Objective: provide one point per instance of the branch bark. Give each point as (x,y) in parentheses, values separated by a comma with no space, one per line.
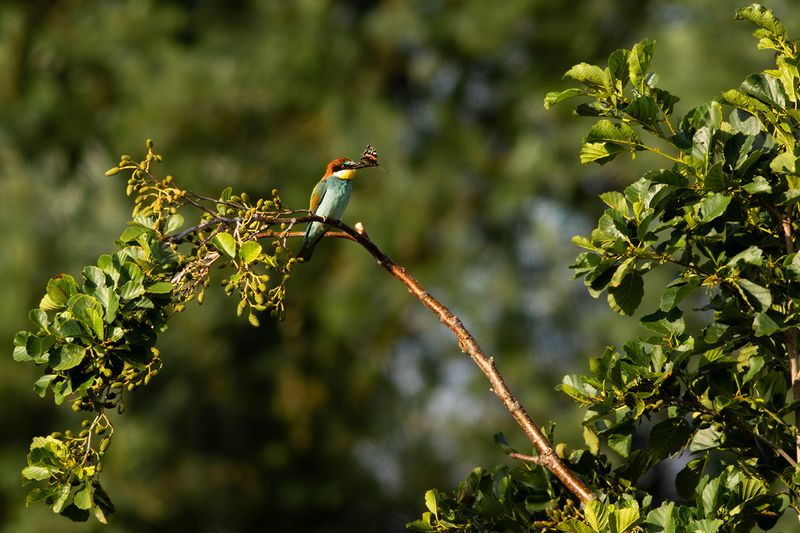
(547,456)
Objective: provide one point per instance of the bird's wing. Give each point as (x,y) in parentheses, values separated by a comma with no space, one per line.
(317,194)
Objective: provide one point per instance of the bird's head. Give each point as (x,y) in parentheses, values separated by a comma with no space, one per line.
(343,168)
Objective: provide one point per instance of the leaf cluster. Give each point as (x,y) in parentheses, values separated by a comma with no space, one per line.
(711,381)
(96,339)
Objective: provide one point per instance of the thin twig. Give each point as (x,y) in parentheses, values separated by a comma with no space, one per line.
(527,458)
(547,456)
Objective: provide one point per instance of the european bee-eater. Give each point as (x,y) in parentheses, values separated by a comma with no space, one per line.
(331,195)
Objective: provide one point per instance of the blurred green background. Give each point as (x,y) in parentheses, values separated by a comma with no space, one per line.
(340,417)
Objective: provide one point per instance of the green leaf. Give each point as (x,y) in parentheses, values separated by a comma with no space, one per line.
(249,251)
(747,103)
(668,177)
(710,495)
(606,131)
(644,109)
(751,256)
(94,277)
(602,153)
(131,289)
(705,525)
(159,287)
(36,347)
(59,290)
(69,356)
(592,440)
(132,232)
(62,496)
(554,97)
(705,439)
(132,272)
(669,436)
(767,323)
(766,88)
(616,201)
(579,387)
(61,389)
(70,328)
(663,519)
(225,243)
(626,297)
(665,101)
(625,518)
(755,364)
(792,266)
(714,180)
(431,502)
(621,440)
(639,62)
(618,67)
(38,473)
(759,185)
(41,385)
(110,301)
(606,139)
(573,525)
(83,498)
(676,292)
(584,242)
(783,163)
(102,503)
(590,75)
(421,524)
(763,18)
(756,295)
(713,206)
(596,513)
(792,195)
(89,311)
(173,223)
(687,479)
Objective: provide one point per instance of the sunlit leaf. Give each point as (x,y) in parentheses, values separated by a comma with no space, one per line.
(713,206)
(589,74)
(639,62)
(249,251)
(555,97)
(59,289)
(763,18)
(225,243)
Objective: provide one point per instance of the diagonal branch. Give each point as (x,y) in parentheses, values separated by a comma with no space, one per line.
(547,456)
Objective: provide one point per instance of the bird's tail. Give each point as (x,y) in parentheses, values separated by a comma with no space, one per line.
(304,252)
(309,242)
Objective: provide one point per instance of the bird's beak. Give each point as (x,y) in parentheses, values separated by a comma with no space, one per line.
(354,165)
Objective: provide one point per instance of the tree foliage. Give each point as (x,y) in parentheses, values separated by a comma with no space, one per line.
(96,339)
(715,391)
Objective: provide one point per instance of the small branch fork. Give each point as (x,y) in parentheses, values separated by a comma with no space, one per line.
(547,456)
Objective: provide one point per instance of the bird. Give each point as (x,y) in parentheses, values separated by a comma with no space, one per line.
(331,195)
